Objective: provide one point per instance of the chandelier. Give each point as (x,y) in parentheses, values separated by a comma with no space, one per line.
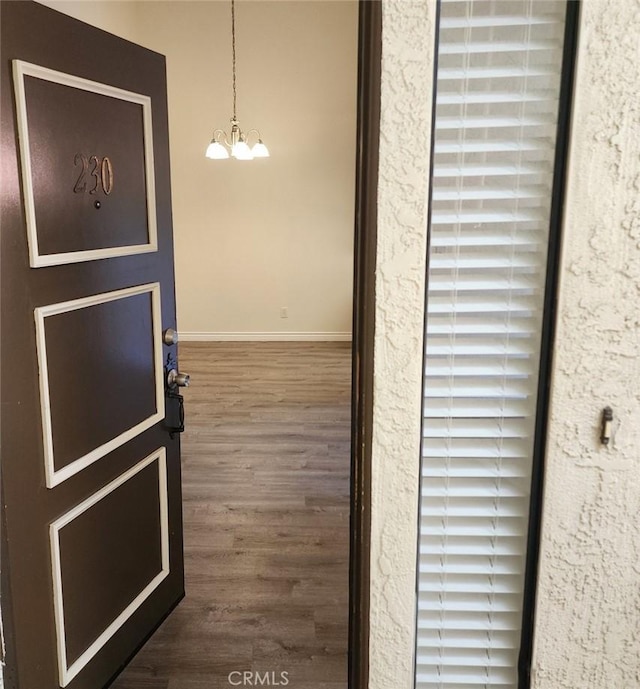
(237,142)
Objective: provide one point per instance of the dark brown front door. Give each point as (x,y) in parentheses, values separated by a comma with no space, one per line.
(92,532)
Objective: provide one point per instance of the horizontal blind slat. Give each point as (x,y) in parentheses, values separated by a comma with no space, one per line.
(492,145)
(463,48)
(488,98)
(492,21)
(475,217)
(469,122)
(504,169)
(484,193)
(466,73)
(457,642)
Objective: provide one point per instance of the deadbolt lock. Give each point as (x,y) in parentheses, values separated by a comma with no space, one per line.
(170,336)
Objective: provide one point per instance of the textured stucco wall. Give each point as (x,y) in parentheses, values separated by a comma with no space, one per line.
(408,44)
(588,618)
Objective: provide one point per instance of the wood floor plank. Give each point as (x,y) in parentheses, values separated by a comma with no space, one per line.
(266,516)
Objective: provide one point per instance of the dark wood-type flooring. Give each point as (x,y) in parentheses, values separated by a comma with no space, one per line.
(266,519)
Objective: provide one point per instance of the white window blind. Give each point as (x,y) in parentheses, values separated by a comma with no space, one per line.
(499,65)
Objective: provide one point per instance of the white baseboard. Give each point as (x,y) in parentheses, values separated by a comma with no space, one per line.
(265,337)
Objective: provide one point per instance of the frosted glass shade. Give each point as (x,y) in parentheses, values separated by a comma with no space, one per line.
(260,150)
(241,151)
(216,151)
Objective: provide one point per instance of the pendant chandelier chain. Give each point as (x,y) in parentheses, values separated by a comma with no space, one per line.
(233,53)
(237,141)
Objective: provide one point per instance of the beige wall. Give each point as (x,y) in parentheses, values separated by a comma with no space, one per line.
(115,16)
(253,237)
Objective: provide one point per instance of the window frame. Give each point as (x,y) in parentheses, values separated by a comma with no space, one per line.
(549,316)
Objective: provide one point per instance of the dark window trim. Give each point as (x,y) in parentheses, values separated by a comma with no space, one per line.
(548,339)
(368,135)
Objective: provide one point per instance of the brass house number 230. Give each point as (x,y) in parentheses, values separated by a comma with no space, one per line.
(95,173)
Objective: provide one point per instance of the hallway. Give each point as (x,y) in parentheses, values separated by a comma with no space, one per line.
(265,459)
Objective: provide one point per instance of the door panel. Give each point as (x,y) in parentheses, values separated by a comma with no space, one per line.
(117,577)
(112,343)
(102,543)
(96,140)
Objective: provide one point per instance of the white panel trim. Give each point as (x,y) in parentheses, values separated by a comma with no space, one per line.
(66,672)
(37,260)
(53,476)
(265,336)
